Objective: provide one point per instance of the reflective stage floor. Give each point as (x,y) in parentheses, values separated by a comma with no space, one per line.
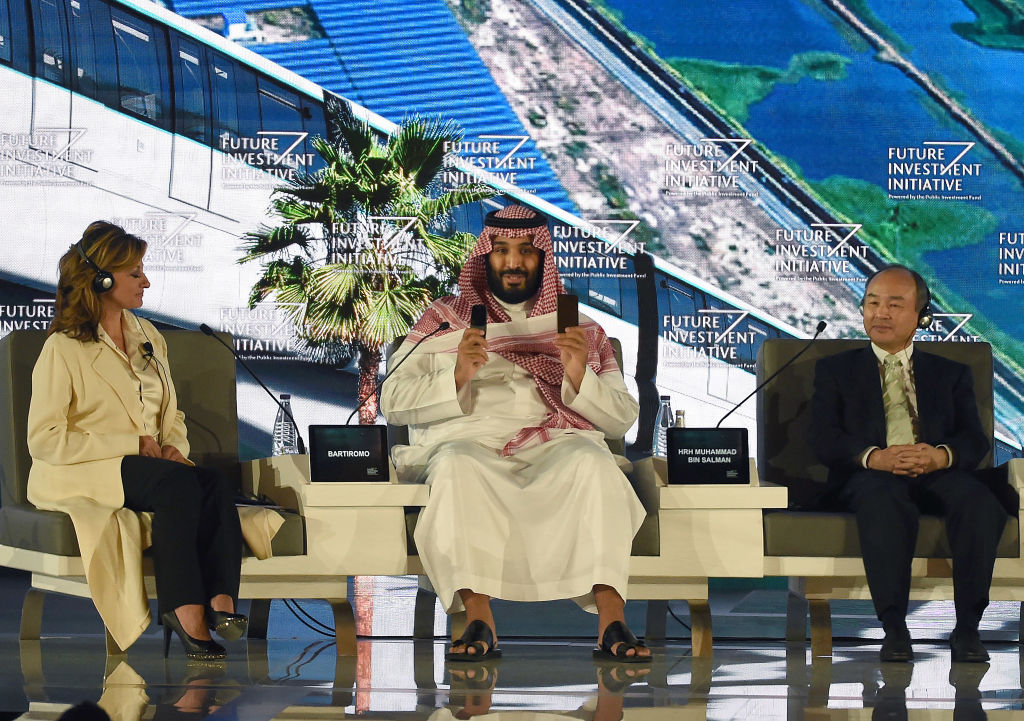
(398,679)
(546,672)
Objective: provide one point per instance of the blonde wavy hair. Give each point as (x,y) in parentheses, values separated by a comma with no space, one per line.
(78,309)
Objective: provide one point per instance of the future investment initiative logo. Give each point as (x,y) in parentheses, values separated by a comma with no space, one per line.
(499,158)
(600,247)
(713,166)
(933,170)
(820,251)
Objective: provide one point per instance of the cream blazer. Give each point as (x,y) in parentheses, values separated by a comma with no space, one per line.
(83,419)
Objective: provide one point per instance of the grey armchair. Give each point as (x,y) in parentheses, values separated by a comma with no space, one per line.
(820,551)
(44,542)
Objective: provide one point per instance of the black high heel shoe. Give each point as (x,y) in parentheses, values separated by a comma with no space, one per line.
(229,626)
(195,648)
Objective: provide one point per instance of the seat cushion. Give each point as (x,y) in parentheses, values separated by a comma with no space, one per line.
(806,533)
(22,526)
(52,532)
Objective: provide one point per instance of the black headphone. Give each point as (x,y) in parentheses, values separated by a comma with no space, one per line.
(103,281)
(924,316)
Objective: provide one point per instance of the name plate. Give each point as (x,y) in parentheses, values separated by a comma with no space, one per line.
(708,455)
(348,454)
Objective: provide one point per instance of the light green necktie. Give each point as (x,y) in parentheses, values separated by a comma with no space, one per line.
(899,427)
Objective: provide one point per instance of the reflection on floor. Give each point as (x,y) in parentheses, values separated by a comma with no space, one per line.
(546,670)
(404,679)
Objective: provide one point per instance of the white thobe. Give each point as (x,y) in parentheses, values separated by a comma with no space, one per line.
(548,522)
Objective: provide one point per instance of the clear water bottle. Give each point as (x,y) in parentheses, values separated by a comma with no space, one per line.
(286,435)
(661,425)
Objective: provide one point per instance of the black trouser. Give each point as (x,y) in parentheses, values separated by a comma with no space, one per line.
(197,540)
(888,507)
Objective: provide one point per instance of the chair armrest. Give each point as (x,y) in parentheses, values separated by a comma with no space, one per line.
(285,480)
(280,478)
(1015,476)
(646,484)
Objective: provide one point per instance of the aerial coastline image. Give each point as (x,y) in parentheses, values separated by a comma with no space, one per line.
(808,88)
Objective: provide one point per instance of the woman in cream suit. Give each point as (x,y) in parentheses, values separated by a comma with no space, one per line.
(107,440)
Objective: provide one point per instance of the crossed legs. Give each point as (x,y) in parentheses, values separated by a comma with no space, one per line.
(193,615)
(196,537)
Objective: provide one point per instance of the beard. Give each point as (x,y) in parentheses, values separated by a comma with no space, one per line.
(530,288)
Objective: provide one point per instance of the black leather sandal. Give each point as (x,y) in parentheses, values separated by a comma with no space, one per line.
(617,633)
(478,636)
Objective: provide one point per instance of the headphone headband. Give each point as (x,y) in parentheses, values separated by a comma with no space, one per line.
(103,281)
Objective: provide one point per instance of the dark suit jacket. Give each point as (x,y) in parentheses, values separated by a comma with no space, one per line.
(849,416)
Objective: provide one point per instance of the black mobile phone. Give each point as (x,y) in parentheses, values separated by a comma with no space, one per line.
(478,317)
(568,312)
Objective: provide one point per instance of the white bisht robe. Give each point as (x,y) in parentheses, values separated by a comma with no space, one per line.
(548,522)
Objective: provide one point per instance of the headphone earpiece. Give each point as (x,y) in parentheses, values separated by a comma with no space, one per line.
(103,281)
(924,318)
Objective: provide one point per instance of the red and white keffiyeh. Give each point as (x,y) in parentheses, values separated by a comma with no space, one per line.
(535,352)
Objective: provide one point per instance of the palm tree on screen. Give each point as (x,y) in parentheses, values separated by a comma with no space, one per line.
(366,243)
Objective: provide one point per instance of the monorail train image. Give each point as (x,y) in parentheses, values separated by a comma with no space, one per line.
(125,111)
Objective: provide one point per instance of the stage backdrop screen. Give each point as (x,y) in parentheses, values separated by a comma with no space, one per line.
(716,173)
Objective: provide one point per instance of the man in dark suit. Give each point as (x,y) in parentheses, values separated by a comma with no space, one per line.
(900,434)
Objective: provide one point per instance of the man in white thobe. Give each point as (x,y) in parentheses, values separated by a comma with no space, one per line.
(507,427)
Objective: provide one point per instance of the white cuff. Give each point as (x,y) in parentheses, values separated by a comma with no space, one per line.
(949,454)
(865,454)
